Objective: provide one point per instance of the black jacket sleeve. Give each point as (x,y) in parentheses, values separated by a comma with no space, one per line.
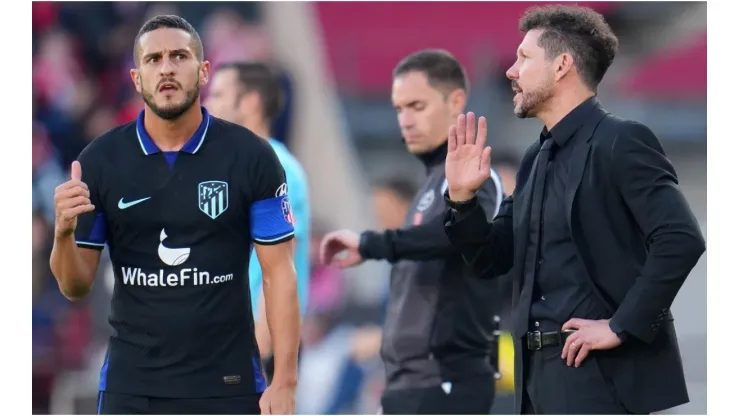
(487,247)
(422,242)
(649,186)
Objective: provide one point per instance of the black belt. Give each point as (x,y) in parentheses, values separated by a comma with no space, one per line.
(536,340)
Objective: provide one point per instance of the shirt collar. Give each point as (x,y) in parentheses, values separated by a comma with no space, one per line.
(570,124)
(191,146)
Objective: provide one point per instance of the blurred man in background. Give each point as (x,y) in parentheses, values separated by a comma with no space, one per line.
(250,94)
(438,332)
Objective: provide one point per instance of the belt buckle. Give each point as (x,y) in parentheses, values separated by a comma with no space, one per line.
(536,339)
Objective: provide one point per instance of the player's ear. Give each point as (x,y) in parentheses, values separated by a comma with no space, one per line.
(136,79)
(205,68)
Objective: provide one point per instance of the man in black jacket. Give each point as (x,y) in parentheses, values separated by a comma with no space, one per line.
(598,235)
(438,336)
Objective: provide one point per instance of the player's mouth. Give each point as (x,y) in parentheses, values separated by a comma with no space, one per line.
(168,87)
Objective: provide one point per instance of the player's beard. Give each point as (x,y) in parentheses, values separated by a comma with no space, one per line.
(533,100)
(172,111)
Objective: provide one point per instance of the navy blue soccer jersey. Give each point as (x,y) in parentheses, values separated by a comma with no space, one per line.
(179,227)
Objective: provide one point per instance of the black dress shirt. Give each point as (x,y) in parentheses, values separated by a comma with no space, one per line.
(556,283)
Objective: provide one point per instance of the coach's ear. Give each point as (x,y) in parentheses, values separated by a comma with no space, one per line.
(136,79)
(205,69)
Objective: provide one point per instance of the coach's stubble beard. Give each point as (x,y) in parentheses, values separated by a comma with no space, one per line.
(173,111)
(532,101)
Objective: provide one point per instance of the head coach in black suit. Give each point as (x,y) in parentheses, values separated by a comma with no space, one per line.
(598,236)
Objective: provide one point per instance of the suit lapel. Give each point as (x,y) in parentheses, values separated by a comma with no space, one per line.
(579,158)
(523,207)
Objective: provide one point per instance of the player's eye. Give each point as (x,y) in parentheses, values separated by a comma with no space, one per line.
(419,107)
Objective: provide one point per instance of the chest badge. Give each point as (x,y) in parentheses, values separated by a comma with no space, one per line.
(213,198)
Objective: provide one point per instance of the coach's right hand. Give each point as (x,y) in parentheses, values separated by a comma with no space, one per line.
(337,242)
(71,199)
(468,163)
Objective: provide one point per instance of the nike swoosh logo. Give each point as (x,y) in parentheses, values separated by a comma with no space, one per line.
(124,205)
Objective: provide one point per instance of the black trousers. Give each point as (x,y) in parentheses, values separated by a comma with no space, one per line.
(551,387)
(472,396)
(127,404)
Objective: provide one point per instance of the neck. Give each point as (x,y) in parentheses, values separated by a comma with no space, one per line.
(434,156)
(261,129)
(171,135)
(561,105)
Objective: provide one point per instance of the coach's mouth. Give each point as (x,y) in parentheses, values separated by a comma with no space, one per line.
(168,87)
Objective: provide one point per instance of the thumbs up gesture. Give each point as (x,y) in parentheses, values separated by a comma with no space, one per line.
(71,199)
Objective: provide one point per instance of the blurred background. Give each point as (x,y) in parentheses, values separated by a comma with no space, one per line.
(337,60)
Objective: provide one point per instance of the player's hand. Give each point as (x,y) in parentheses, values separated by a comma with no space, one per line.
(278,399)
(590,335)
(71,199)
(337,242)
(468,164)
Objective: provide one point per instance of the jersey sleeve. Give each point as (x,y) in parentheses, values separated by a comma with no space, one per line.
(91,231)
(271,217)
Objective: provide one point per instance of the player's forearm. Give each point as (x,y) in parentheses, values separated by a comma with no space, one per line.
(262,331)
(73,274)
(283,319)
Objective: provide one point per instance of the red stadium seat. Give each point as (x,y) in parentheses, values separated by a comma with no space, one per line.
(679,71)
(365,41)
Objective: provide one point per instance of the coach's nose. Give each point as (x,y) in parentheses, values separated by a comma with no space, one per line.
(513,72)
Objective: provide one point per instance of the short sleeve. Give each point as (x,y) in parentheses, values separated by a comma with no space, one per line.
(91,231)
(271,216)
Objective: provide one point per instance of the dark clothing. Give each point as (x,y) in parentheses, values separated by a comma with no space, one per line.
(440,319)
(636,241)
(472,396)
(554,274)
(553,388)
(127,404)
(180,228)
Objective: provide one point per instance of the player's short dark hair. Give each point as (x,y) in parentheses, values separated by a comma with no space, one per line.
(261,78)
(443,71)
(579,30)
(404,189)
(169,22)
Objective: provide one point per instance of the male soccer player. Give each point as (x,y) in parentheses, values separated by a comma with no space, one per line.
(438,332)
(597,235)
(250,95)
(179,197)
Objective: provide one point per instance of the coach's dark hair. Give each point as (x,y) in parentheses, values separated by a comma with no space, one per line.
(169,22)
(443,71)
(264,80)
(578,30)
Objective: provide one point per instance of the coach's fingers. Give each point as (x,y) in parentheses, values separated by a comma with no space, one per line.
(451,139)
(480,139)
(566,345)
(460,126)
(76,171)
(573,350)
(470,128)
(485,161)
(582,354)
(575,323)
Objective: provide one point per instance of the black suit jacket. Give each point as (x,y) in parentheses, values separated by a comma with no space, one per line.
(636,236)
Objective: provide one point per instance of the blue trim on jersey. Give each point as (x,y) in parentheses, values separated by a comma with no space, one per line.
(97,232)
(300,204)
(270,219)
(171,158)
(104,373)
(191,146)
(100,403)
(260,384)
